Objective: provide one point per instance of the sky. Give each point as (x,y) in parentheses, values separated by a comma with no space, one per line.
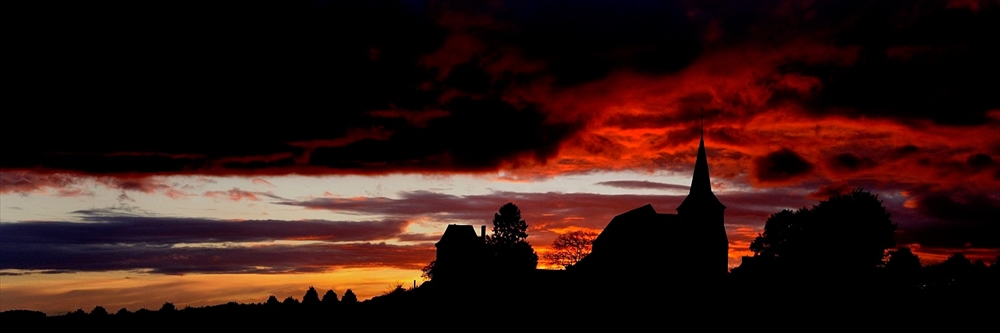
(201,152)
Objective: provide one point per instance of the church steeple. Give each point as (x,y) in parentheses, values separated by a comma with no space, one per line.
(704,222)
(700,196)
(701,182)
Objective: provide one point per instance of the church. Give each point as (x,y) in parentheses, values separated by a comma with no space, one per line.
(691,245)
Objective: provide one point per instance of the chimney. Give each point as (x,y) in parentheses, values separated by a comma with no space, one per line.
(482,233)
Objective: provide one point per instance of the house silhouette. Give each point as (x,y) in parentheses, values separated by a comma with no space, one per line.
(460,253)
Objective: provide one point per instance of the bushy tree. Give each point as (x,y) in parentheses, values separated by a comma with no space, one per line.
(569,248)
(168,308)
(99,311)
(508,245)
(845,234)
(79,313)
(903,268)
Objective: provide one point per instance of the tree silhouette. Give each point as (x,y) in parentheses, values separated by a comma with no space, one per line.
(569,248)
(272,301)
(311,297)
(99,311)
(846,234)
(79,313)
(168,308)
(509,249)
(428,271)
(349,297)
(958,273)
(903,268)
(330,297)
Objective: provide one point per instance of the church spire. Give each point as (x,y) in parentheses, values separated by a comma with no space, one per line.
(701,183)
(701,194)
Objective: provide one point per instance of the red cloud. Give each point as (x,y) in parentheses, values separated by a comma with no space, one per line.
(235,195)
(133,183)
(33,182)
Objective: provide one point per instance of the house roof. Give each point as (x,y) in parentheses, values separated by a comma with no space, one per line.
(458,234)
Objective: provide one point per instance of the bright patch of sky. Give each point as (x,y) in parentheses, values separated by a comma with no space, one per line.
(246,198)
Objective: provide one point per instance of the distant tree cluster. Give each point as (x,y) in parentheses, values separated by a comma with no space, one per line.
(312,299)
(849,238)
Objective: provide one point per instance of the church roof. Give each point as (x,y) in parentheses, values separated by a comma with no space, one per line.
(635,226)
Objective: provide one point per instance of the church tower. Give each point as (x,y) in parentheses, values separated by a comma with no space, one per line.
(703,221)
(689,248)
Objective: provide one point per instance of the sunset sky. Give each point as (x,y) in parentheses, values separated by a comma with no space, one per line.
(201,152)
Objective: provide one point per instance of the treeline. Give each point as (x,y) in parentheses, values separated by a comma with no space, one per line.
(845,244)
(233,314)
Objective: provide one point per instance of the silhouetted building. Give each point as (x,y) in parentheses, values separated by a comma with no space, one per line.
(690,246)
(460,253)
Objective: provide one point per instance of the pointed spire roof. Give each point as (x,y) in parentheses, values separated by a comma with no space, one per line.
(701,182)
(701,195)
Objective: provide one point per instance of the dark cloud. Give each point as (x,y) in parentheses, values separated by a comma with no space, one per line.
(905,151)
(479,81)
(166,231)
(914,60)
(643,184)
(980,161)
(781,165)
(188,245)
(582,41)
(307,64)
(959,219)
(233,259)
(478,134)
(848,162)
